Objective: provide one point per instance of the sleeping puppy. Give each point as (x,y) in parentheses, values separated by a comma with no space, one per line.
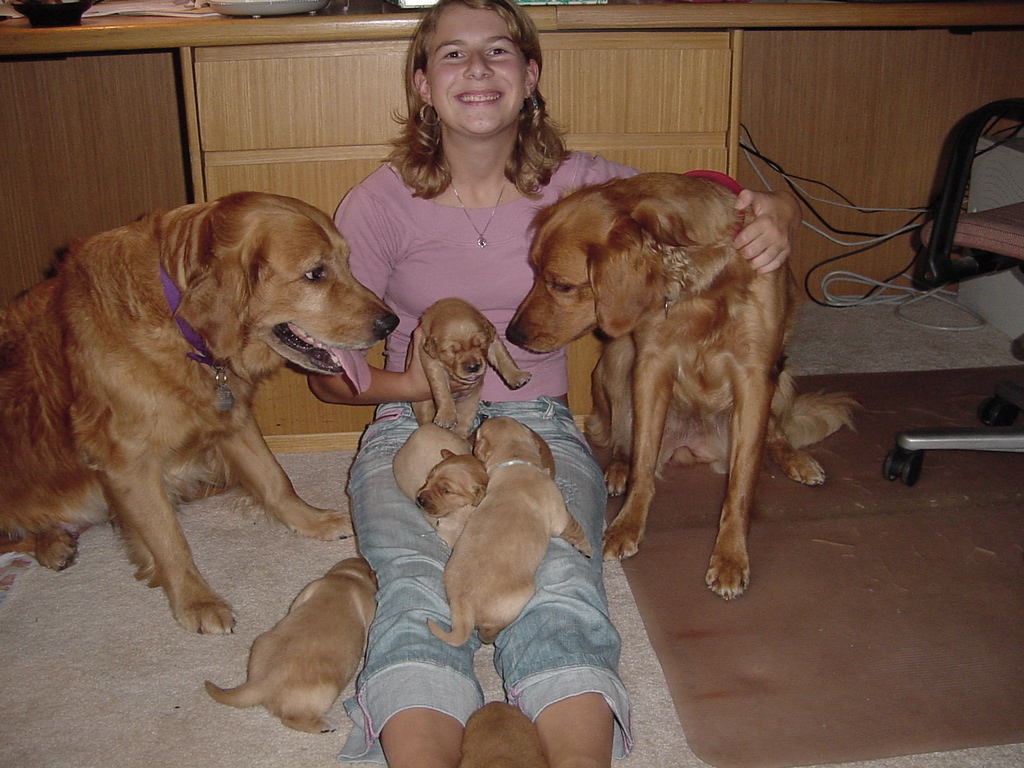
(489,577)
(436,469)
(127,380)
(453,490)
(499,734)
(299,667)
(456,343)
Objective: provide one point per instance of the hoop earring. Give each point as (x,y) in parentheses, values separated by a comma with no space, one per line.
(423,116)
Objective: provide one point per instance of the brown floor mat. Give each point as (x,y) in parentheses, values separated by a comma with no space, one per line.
(881,620)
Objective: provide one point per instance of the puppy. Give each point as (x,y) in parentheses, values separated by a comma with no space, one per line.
(456,343)
(695,370)
(489,577)
(299,667)
(499,735)
(453,490)
(436,469)
(127,379)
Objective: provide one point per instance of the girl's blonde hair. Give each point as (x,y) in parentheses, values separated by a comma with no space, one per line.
(418,156)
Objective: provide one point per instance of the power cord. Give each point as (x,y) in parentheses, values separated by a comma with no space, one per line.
(878,292)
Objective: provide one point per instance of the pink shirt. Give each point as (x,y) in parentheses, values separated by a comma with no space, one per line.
(412,252)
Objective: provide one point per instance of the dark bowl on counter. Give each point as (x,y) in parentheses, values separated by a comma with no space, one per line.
(47,13)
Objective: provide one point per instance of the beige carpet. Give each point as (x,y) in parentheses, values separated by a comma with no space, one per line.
(93,671)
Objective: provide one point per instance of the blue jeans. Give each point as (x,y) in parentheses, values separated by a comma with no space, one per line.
(561,645)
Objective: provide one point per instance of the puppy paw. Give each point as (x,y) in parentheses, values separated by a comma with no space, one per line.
(520,380)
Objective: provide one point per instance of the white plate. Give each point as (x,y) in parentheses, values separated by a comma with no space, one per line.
(266,7)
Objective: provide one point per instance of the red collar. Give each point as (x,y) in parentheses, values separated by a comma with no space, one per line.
(726,181)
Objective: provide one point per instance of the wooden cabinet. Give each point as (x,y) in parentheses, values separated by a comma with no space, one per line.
(310,120)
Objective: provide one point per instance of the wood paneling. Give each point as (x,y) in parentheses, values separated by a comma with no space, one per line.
(91,142)
(868,111)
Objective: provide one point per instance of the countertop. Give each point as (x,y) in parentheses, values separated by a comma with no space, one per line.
(376,19)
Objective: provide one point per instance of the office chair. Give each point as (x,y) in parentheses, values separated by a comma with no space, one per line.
(959,245)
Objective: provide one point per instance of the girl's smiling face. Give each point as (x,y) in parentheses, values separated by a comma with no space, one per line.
(475,77)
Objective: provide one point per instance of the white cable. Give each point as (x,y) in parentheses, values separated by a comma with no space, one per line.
(899,296)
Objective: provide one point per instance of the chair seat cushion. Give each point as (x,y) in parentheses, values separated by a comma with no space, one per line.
(999,230)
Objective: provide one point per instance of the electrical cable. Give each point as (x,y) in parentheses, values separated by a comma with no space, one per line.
(879,292)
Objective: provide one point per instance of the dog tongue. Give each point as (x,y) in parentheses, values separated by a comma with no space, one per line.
(355,367)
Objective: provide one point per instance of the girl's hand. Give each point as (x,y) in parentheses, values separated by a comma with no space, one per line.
(767,238)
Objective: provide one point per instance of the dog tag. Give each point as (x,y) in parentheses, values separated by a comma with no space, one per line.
(225,398)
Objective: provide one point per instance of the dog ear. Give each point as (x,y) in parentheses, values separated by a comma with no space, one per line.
(219,266)
(479,491)
(692,233)
(446,454)
(625,277)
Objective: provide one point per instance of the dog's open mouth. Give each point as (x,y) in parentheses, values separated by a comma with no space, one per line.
(315,355)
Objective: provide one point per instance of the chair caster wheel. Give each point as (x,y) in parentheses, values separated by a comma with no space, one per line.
(997,412)
(903,464)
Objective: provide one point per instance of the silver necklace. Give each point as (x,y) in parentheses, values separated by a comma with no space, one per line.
(481,240)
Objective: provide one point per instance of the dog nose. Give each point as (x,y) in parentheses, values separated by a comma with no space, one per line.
(474,367)
(421,502)
(382,326)
(515,335)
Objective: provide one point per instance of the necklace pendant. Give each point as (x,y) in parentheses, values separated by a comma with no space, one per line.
(223,396)
(481,242)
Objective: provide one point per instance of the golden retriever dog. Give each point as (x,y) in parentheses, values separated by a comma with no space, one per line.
(436,469)
(499,735)
(299,667)
(695,369)
(489,577)
(453,490)
(127,379)
(456,344)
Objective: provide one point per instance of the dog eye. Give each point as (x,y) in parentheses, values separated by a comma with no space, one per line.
(557,287)
(315,274)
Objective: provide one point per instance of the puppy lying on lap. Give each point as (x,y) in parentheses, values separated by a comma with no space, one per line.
(490,576)
(436,469)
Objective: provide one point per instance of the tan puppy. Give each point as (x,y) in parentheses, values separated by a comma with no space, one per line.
(453,490)
(437,470)
(499,735)
(490,575)
(456,343)
(299,667)
(419,454)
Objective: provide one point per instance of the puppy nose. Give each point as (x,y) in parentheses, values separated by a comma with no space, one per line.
(382,326)
(421,502)
(473,367)
(515,335)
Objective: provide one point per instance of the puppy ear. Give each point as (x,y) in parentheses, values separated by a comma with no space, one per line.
(478,494)
(430,346)
(446,454)
(625,277)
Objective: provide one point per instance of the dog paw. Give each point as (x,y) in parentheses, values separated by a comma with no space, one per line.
(616,477)
(728,577)
(620,543)
(210,616)
(56,549)
(803,468)
(323,524)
